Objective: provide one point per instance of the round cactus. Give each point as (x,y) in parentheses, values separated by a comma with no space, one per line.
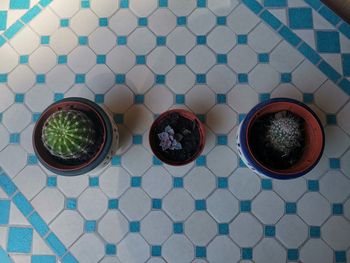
(68,134)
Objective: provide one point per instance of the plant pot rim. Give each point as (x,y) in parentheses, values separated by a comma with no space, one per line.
(287,173)
(73,170)
(188,115)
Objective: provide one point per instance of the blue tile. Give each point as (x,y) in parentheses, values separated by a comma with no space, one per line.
(7,185)
(334,163)
(31,14)
(290,36)
(247,253)
(32,159)
(181,21)
(220,98)
(286,77)
(201,117)
(58,96)
(253,5)
(22,204)
(122,40)
(201,3)
(39,224)
(23,59)
(142,21)
(161,41)
(331,17)
(64,22)
(316,4)
(300,18)
(124,4)
(270,19)
(156,251)
(180,99)
(101,59)
(3,20)
(40,78)
(71,203)
(337,209)
(241,163)
(36,117)
(269,231)
(137,139)
(221,20)
(331,119)
(346,64)
(201,160)
(113,204)
(45,40)
(340,256)
(90,226)
(136,181)
(221,58)
(4,256)
(309,53)
(157,203)
(3,78)
(116,160)
(2,41)
(201,78)
(13,30)
(51,181)
(69,258)
(5,211)
(139,98)
(345,29)
(85,4)
(293,254)
(120,78)
(315,232)
(245,206)
(0,117)
(275,3)
(62,59)
(263,58)
(160,79)
(45,3)
(223,229)
(163,3)
(308,97)
(93,181)
(344,84)
(99,98)
(156,161)
(19,4)
(178,228)
(56,245)
(242,78)
(19,239)
(328,41)
(15,138)
(241,117)
(178,182)
(43,259)
(221,139)
(200,205)
(103,22)
(118,118)
(180,60)
(264,97)
(291,208)
(140,60)
(201,40)
(83,40)
(134,226)
(313,185)
(201,252)
(242,39)
(266,184)
(111,249)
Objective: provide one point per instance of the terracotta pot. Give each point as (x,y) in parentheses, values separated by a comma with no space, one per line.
(106,130)
(314,141)
(153,136)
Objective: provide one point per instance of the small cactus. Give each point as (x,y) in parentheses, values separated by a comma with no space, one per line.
(284,132)
(68,134)
(168,141)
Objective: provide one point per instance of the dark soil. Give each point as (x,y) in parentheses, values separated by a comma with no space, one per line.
(263,150)
(190,142)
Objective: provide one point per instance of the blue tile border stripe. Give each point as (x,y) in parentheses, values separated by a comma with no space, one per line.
(33,218)
(4,258)
(288,35)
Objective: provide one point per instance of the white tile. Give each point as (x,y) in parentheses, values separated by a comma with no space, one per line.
(287,90)
(156,260)
(68,226)
(48,203)
(120,53)
(313,208)
(26,41)
(344,44)
(343,117)
(285,58)
(140,79)
(46,23)
(156,227)
(200,182)
(195,231)
(138,118)
(109,259)
(143,160)
(182,7)
(21,258)
(114,181)
(290,190)
(17,218)
(66,8)
(123,22)
(200,59)
(13,165)
(181,40)
(308,36)
(42,60)
(157,182)
(277,252)
(38,98)
(89,248)
(222,7)
(21,79)
(221,39)
(161,60)
(347,209)
(180,79)
(242,59)
(119,98)
(135,204)
(319,22)
(3,236)
(57,83)
(262,39)
(280,14)
(242,20)
(159,99)
(291,231)
(178,204)
(221,119)
(141,41)
(102,40)
(81,59)
(210,141)
(268,207)
(221,79)
(244,184)
(308,255)
(30,181)
(345,165)
(39,246)
(330,104)
(125,139)
(162,22)
(178,249)
(72,186)
(179,171)
(141,8)
(63,41)
(222,161)
(8,57)
(6,99)
(336,232)
(79,91)
(242,98)
(222,249)
(100,79)
(104,8)
(319,170)
(4,137)
(113,226)
(201,21)
(246,230)
(200,99)
(336,141)
(92,204)
(133,249)
(222,205)
(264,78)
(335,186)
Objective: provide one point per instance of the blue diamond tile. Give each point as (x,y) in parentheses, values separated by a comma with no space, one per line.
(247,253)
(156,161)
(340,256)
(161,41)
(200,205)
(157,203)
(327,41)
(313,185)
(180,60)
(83,40)
(242,78)
(32,159)
(221,139)
(245,206)
(122,40)
(266,184)
(113,204)
(163,3)
(334,163)
(45,40)
(3,78)
(269,231)
(315,232)
(156,251)
(139,98)
(308,98)
(136,181)
(80,78)
(40,78)
(51,181)
(263,58)
(85,4)
(19,240)
(178,228)
(116,160)
(201,78)
(178,182)
(331,119)
(99,98)
(337,209)
(201,3)
(143,21)
(201,252)
(242,39)
(220,98)
(111,249)
(201,160)
(90,226)
(134,226)
(58,96)
(24,59)
(62,59)
(101,59)
(137,139)
(93,181)
(221,58)
(103,22)
(221,20)
(286,77)
(222,182)
(64,22)
(180,99)
(15,138)
(140,60)
(300,18)
(223,229)
(201,40)
(124,3)
(160,79)
(293,254)
(291,208)
(71,203)
(181,21)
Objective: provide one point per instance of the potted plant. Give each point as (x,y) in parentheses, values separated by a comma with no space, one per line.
(280,138)
(177,137)
(75,136)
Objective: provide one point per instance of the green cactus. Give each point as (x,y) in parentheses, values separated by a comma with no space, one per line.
(68,134)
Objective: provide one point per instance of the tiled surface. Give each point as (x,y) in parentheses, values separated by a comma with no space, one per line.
(140,58)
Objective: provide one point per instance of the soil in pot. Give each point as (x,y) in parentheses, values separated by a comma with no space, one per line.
(277,139)
(186,132)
